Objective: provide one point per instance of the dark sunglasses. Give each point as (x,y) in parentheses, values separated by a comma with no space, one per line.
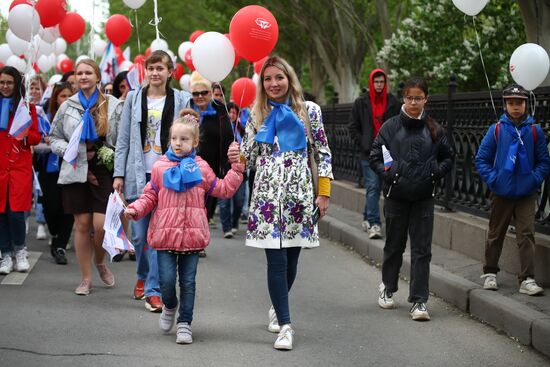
(203,93)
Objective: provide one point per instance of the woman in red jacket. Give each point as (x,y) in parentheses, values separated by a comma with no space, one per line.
(16,176)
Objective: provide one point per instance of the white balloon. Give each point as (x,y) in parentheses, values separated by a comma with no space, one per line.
(60,46)
(43,47)
(49,34)
(99,47)
(470,7)
(17,45)
(159,44)
(256,79)
(54,79)
(182,49)
(213,56)
(172,56)
(185,82)
(24,21)
(17,63)
(134,4)
(80,58)
(44,63)
(5,52)
(125,65)
(529,65)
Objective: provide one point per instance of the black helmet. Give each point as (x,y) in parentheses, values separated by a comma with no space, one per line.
(515,91)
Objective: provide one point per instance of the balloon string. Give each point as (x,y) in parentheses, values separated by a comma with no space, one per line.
(137,31)
(484,69)
(533,103)
(226,110)
(242,95)
(157,21)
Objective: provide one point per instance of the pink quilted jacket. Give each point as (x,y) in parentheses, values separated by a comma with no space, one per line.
(179,220)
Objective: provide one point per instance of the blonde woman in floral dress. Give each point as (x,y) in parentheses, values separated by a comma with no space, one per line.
(281,217)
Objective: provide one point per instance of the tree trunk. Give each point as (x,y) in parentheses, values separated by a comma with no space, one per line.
(317,78)
(536,20)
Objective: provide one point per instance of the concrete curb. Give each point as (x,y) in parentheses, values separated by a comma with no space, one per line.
(529,326)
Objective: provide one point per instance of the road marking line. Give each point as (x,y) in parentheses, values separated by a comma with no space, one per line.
(16,278)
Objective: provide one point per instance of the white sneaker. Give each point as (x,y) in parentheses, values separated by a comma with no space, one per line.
(273,325)
(385,298)
(234,230)
(41,232)
(419,312)
(530,287)
(228,234)
(375,232)
(167,319)
(184,335)
(21,263)
(6,265)
(284,339)
(490,281)
(365,226)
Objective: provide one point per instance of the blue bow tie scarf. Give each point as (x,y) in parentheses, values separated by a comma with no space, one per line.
(89,132)
(516,158)
(285,124)
(210,111)
(185,175)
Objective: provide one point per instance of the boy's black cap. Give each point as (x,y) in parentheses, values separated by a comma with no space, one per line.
(515,91)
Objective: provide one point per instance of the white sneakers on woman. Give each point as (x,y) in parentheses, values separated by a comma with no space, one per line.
(284,339)
(273,324)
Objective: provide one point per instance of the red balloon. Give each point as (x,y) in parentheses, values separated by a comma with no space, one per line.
(243,92)
(189,61)
(66,65)
(72,27)
(178,72)
(148,52)
(259,64)
(118,29)
(19,2)
(139,59)
(51,12)
(195,35)
(254,32)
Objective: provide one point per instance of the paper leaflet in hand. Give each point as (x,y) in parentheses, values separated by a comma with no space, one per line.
(21,121)
(71,153)
(388,160)
(115,239)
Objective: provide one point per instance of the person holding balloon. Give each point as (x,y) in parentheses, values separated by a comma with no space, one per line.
(84,133)
(513,161)
(143,138)
(283,212)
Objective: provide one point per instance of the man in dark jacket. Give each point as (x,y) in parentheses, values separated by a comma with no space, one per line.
(367,116)
(513,161)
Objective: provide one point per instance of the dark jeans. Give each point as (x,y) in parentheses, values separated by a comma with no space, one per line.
(12,231)
(282,266)
(502,210)
(60,224)
(185,267)
(372,183)
(231,209)
(415,218)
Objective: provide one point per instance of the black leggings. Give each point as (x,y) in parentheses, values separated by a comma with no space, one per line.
(60,224)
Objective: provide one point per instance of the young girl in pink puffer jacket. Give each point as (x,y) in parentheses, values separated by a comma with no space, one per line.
(179,228)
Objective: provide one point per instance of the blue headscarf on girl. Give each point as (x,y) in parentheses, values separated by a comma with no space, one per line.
(285,124)
(185,175)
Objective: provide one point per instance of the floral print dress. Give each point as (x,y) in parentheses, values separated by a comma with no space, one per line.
(282,202)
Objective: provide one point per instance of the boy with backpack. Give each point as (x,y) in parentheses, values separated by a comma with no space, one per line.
(513,161)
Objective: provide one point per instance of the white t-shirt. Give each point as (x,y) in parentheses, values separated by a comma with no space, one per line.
(152,149)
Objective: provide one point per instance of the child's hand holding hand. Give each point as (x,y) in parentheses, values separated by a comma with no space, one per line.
(129,213)
(234,153)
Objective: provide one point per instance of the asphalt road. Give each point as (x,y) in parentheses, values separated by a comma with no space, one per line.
(333,305)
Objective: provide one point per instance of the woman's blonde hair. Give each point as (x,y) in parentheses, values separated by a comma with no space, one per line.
(204,82)
(189,120)
(261,108)
(102,121)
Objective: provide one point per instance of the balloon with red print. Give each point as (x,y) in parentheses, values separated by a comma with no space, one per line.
(243,92)
(189,60)
(72,27)
(118,29)
(254,32)
(51,12)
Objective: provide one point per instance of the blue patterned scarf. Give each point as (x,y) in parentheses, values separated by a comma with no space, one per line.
(88,130)
(516,158)
(285,124)
(210,111)
(6,105)
(185,175)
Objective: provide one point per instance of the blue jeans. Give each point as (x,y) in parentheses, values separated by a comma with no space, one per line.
(40,218)
(146,257)
(12,231)
(231,209)
(372,183)
(282,266)
(185,267)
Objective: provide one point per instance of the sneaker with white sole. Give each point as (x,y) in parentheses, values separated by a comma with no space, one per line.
(490,282)
(184,335)
(41,232)
(21,263)
(6,265)
(530,287)
(365,226)
(228,234)
(273,325)
(167,318)
(385,297)
(285,338)
(375,232)
(419,312)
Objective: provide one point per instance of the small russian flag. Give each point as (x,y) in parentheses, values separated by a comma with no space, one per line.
(71,153)
(21,121)
(388,160)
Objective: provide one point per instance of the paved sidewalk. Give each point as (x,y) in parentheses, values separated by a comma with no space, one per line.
(455,278)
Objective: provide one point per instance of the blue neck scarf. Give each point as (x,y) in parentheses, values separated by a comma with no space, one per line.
(210,111)
(185,175)
(516,158)
(286,125)
(88,130)
(6,105)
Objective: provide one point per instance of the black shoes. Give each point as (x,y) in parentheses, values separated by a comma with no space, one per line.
(59,255)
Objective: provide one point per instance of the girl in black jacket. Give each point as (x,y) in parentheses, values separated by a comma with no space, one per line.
(420,156)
